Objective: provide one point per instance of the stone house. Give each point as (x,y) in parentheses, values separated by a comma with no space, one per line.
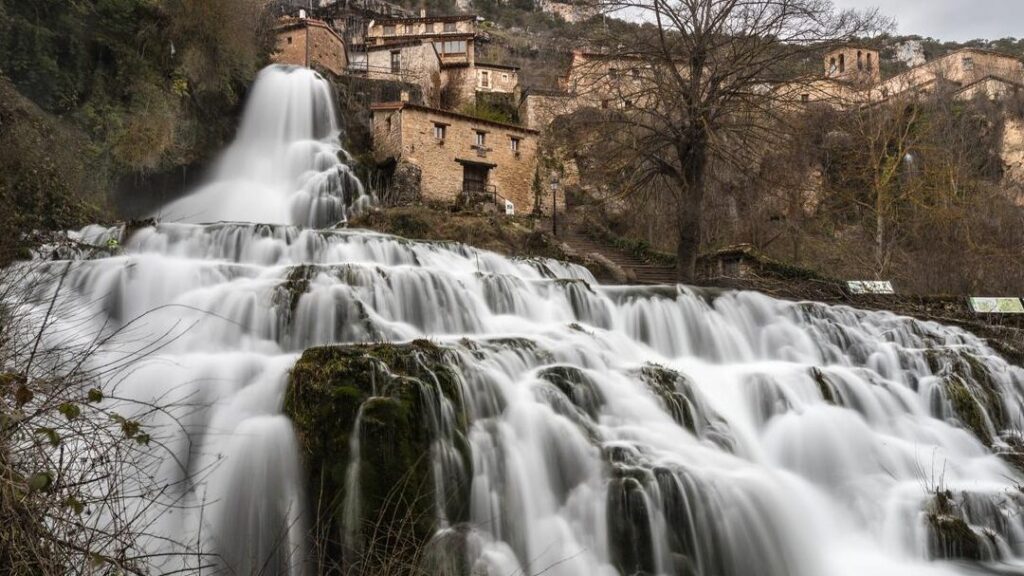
(852,78)
(453,36)
(413,61)
(959,68)
(539,108)
(853,64)
(991,87)
(449,157)
(496,78)
(592,81)
(311,43)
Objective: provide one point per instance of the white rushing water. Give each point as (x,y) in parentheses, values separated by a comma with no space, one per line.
(609,429)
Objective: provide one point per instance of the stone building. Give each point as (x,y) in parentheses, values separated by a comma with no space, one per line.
(448,157)
(453,36)
(539,108)
(958,69)
(853,64)
(496,78)
(963,74)
(413,61)
(311,43)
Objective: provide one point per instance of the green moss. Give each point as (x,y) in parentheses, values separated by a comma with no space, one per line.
(675,393)
(968,410)
(825,387)
(577,387)
(390,392)
(295,285)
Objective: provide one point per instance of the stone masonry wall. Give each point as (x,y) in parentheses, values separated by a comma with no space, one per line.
(410,138)
(309,39)
(419,66)
(498,79)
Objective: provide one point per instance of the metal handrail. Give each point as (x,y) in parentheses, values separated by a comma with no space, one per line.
(489,189)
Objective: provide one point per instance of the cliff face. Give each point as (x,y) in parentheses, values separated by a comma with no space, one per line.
(1012,153)
(46,177)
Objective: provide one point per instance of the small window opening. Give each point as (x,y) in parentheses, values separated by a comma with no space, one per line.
(481,139)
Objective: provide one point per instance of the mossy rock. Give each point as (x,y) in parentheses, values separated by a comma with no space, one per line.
(950,537)
(577,387)
(393,392)
(683,401)
(826,387)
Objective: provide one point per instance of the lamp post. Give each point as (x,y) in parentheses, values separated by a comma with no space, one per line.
(554,203)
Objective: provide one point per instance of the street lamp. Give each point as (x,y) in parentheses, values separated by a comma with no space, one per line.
(554,203)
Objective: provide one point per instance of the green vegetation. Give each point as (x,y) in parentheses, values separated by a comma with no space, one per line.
(100,89)
(388,395)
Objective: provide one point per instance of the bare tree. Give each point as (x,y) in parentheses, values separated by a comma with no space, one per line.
(690,88)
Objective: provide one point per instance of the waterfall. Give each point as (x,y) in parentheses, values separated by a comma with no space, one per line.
(568,428)
(284,165)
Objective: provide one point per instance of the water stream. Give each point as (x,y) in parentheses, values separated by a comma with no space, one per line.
(631,430)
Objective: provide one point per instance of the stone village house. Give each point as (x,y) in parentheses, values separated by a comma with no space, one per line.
(303,41)
(447,157)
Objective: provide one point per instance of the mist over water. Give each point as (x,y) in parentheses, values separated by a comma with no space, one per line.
(611,430)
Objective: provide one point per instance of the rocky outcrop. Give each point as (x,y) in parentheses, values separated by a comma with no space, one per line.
(368,419)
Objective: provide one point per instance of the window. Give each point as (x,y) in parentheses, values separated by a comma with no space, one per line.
(968,63)
(613,72)
(504,77)
(387,121)
(481,139)
(396,61)
(389,30)
(832,65)
(604,104)
(440,131)
(430,27)
(871,65)
(449,27)
(408,28)
(634,72)
(485,79)
(842,63)
(860,60)
(514,142)
(805,98)
(451,47)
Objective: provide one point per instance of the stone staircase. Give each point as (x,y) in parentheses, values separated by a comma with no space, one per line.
(637,270)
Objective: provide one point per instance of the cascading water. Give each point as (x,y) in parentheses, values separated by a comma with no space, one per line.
(598,430)
(284,165)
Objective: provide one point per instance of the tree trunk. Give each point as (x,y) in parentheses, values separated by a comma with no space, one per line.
(690,208)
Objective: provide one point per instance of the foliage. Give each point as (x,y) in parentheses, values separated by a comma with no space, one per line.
(152,82)
(76,462)
(489,111)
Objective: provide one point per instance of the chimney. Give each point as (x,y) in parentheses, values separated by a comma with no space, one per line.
(423,12)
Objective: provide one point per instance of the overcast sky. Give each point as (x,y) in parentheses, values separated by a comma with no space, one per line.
(951,19)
